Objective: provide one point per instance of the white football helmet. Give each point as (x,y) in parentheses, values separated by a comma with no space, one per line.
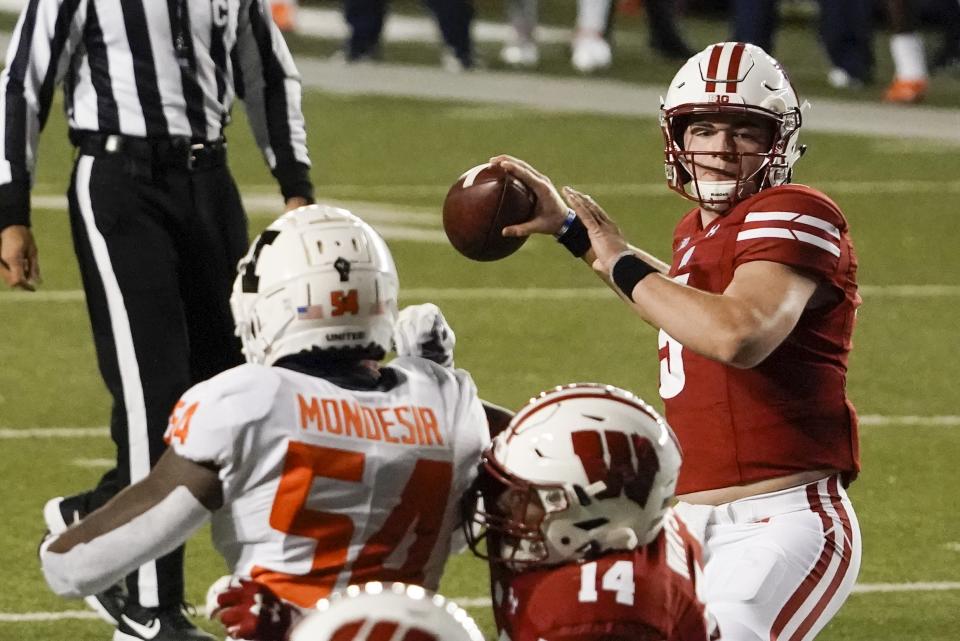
(730,78)
(580,470)
(386,611)
(317,277)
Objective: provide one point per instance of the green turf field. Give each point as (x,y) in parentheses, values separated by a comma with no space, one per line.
(902,200)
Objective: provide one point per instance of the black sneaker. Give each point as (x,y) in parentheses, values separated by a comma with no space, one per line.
(59,514)
(138,623)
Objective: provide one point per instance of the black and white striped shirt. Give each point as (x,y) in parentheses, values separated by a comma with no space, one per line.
(153,69)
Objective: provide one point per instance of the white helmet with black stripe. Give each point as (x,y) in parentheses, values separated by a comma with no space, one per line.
(317,278)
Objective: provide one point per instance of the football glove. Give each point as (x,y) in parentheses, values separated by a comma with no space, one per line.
(249,610)
(421,330)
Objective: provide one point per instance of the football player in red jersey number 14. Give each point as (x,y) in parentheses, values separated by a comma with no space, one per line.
(573,502)
(755,313)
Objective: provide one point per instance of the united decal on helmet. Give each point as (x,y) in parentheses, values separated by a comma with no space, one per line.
(730,78)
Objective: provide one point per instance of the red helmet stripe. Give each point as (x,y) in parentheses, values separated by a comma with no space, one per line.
(733,68)
(712,67)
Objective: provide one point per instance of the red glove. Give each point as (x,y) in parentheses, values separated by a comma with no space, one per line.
(249,610)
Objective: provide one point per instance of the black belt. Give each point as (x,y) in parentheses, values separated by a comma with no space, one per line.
(176,152)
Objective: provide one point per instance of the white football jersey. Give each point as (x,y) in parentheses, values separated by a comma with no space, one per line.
(326,487)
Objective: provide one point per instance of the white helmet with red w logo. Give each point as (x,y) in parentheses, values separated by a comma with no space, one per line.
(317,277)
(386,611)
(730,78)
(582,469)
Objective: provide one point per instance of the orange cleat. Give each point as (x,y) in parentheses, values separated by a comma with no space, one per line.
(906,91)
(283,15)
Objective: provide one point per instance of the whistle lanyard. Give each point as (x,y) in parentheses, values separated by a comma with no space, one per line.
(180,28)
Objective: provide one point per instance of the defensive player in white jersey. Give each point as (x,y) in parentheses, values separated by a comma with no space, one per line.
(319,467)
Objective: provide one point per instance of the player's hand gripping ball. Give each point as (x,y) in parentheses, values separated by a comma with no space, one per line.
(479,205)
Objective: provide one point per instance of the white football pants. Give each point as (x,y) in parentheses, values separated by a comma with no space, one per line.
(778,566)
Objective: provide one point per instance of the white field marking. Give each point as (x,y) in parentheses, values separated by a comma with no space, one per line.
(487,293)
(483,602)
(263,200)
(881,420)
(93,462)
(935,586)
(7,433)
(34,617)
(953,546)
(270,204)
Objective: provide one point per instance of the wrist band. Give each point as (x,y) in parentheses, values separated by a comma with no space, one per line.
(573,235)
(567,221)
(628,270)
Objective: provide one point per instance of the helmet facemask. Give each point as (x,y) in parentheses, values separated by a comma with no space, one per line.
(683,166)
(512,525)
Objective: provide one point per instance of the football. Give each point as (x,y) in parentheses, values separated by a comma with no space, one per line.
(479,205)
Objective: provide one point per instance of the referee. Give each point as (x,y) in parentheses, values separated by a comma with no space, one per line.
(156,218)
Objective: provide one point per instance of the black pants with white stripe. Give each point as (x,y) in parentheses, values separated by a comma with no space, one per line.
(157,248)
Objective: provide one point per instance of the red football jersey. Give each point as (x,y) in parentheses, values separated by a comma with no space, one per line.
(648,594)
(790,413)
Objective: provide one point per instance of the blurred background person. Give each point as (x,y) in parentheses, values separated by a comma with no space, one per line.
(846,31)
(948,53)
(591,45)
(454,17)
(284,14)
(910,79)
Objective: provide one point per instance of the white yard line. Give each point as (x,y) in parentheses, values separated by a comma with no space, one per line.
(933,586)
(35,617)
(483,602)
(7,433)
(10,433)
(488,293)
(883,420)
(96,463)
(261,200)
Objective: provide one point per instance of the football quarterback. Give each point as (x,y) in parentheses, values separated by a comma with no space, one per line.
(573,504)
(313,460)
(755,312)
